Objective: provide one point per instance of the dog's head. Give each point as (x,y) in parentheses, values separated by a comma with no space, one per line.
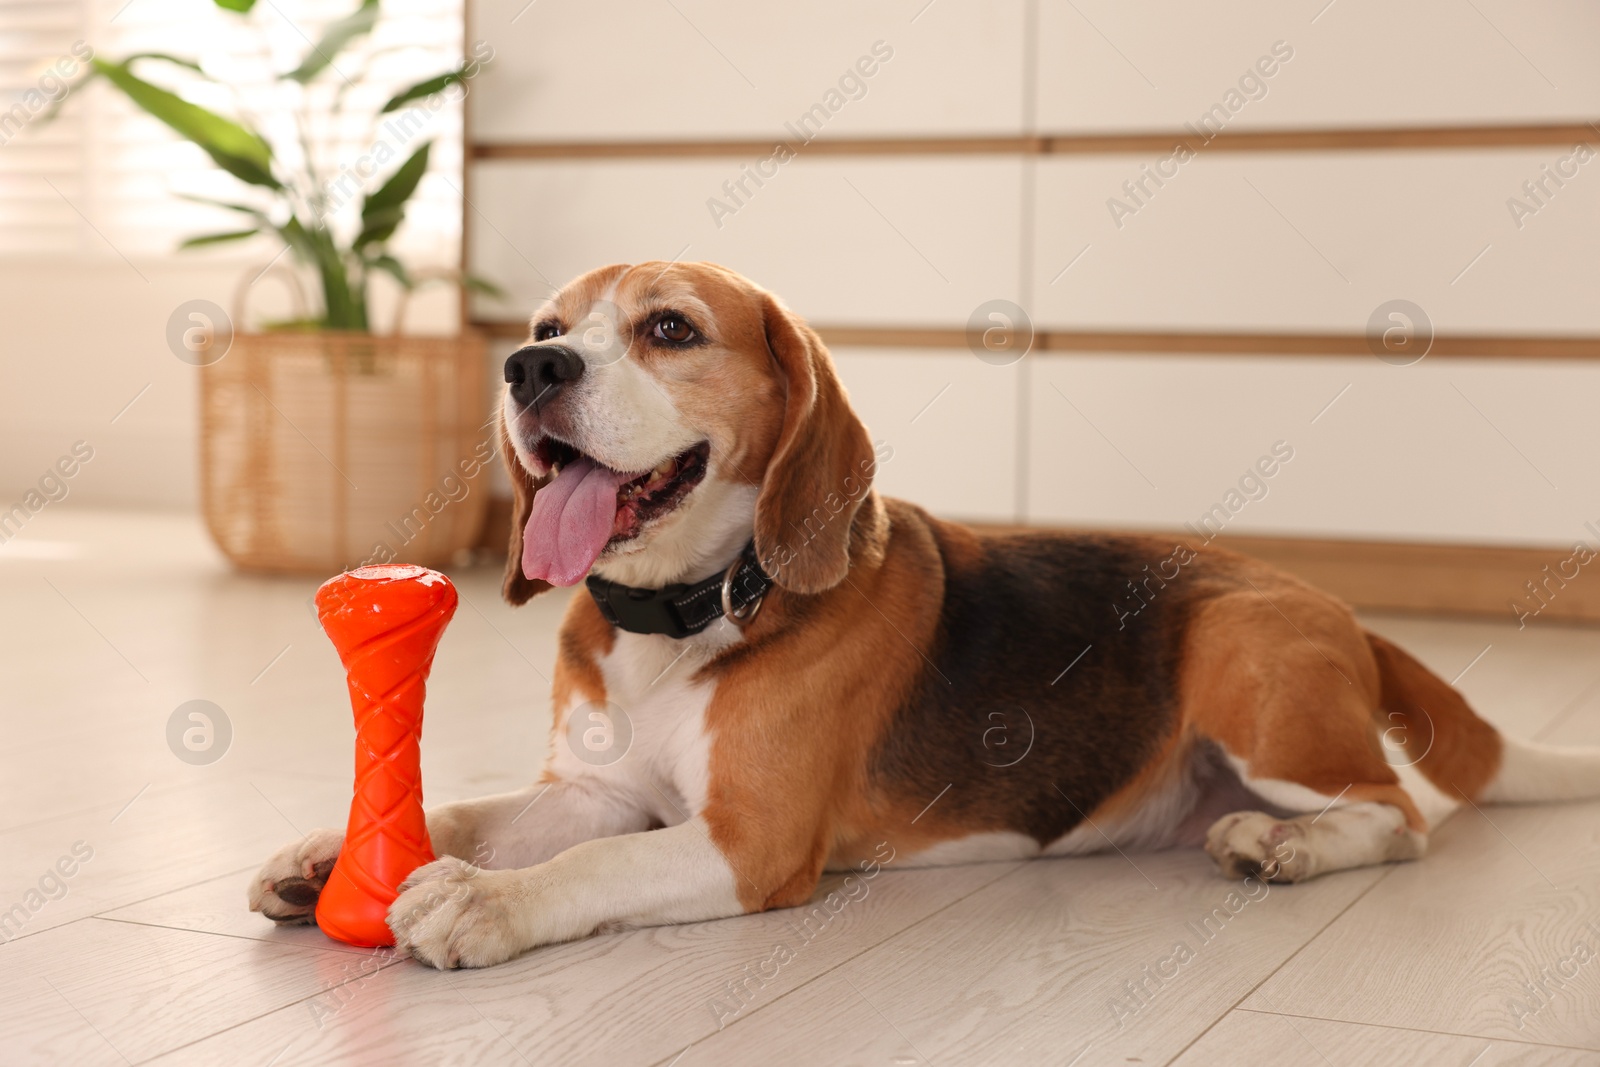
(661,416)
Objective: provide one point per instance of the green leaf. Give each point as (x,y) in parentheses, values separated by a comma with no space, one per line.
(295,236)
(90,74)
(474,284)
(127,61)
(243,209)
(334,38)
(392,267)
(219,238)
(384,210)
(425,88)
(241,6)
(238,151)
(49,114)
(343,309)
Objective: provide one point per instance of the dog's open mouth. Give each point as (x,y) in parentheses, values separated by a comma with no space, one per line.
(587,506)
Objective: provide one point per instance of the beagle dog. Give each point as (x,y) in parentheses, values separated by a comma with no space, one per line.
(775,671)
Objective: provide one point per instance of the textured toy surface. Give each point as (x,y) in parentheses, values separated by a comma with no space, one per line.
(386,622)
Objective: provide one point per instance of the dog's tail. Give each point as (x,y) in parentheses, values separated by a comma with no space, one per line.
(1427,722)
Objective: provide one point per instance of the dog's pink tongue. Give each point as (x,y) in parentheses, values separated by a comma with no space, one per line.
(570,522)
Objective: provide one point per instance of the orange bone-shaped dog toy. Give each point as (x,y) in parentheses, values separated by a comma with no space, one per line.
(385,621)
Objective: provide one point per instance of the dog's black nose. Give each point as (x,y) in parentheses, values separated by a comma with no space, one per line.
(537,373)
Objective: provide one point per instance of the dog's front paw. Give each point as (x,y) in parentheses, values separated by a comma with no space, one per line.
(287,887)
(1250,844)
(451,914)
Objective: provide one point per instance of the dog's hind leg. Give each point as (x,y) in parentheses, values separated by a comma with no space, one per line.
(1285,682)
(1387,821)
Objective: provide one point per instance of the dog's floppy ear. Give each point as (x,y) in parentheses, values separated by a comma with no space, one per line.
(816,507)
(517,587)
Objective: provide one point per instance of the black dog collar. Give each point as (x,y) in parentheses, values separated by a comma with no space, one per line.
(682,610)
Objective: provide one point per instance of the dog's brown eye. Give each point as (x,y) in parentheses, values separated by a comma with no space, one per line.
(546,330)
(674,329)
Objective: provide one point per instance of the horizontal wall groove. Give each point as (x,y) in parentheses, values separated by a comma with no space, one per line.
(1410,576)
(1485,346)
(1285,140)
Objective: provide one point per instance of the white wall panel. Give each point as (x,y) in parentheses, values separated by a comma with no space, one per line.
(598,70)
(1116,65)
(1497,452)
(951,420)
(1292,242)
(860,241)
(1316,241)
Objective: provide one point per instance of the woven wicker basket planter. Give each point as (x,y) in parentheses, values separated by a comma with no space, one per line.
(321,451)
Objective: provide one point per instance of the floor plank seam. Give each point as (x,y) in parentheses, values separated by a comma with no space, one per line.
(103,913)
(1284,963)
(219,933)
(170,892)
(386,966)
(1422,1030)
(668,1061)
(46,930)
(209,878)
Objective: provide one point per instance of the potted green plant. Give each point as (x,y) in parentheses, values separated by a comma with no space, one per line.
(324,445)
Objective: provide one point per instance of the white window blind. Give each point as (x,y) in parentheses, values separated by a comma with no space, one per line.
(36,35)
(103,177)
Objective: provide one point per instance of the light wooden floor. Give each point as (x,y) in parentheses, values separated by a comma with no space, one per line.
(147,953)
